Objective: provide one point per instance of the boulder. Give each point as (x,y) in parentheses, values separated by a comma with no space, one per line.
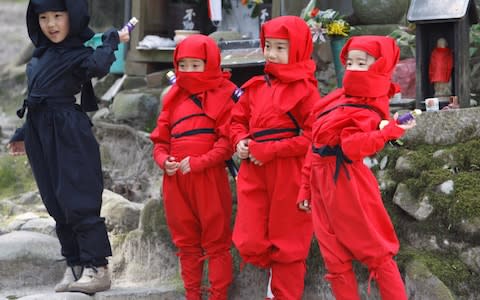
(28,259)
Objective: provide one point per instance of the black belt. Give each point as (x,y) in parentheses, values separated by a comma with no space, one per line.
(341,159)
(193,132)
(43,104)
(273,131)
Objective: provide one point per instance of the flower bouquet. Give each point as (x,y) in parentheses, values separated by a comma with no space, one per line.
(324,23)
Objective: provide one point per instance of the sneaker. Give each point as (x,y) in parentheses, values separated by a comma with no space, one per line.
(269,286)
(93,280)
(71,275)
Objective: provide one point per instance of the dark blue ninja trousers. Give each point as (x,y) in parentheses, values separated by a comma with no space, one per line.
(65,160)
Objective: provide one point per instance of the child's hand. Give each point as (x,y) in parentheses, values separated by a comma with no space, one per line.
(242,149)
(16,148)
(304,205)
(171,166)
(185,165)
(409,125)
(124,35)
(254,160)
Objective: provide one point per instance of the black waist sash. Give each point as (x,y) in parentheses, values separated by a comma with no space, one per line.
(340,158)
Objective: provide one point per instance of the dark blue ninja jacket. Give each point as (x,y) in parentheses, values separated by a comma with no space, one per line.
(57,72)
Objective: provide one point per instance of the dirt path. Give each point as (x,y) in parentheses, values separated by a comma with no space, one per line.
(13,31)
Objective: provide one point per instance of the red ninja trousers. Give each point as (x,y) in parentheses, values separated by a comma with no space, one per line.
(350,222)
(198,208)
(270,231)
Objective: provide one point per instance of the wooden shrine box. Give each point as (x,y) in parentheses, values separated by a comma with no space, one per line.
(152,15)
(450,19)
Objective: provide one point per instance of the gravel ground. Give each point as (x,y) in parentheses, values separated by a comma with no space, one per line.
(13,31)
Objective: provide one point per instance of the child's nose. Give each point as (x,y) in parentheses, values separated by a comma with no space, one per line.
(51,22)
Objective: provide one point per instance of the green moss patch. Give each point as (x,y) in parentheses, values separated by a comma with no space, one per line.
(447,267)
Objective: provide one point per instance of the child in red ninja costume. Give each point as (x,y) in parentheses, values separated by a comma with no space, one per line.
(349,218)
(270,130)
(191,145)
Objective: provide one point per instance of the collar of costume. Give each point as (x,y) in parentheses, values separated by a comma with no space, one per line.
(78,18)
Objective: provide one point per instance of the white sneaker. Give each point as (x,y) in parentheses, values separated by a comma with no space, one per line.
(93,280)
(71,275)
(269,286)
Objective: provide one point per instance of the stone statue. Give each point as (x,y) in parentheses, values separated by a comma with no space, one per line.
(440,69)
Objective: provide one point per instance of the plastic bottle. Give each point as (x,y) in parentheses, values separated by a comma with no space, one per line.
(408,116)
(131,24)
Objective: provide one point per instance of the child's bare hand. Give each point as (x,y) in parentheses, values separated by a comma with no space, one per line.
(409,125)
(185,165)
(171,166)
(304,205)
(124,35)
(242,149)
(16,148)
(254,160)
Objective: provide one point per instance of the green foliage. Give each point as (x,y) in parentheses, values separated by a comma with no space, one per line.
(467,155)
(15,176)
(474,39)
(446,266)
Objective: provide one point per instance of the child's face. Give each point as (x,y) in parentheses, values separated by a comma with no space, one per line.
(276,50)
(55,25)
(358,60)
(191,65)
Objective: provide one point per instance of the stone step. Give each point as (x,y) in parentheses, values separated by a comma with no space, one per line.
(116,293)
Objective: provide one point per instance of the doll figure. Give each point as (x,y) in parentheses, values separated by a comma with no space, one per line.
(440,69)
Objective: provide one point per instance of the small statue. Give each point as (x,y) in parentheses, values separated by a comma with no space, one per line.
(440,69)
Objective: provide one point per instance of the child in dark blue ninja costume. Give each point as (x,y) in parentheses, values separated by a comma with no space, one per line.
(57,137)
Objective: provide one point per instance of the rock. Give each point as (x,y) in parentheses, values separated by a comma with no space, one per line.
(134,82)
(27,259)
(136,109)
(127,155)
(422,284)
(385,183)
(403,164)
(145,258)
(470,227)
(445,127)
(58,296)
(471,258)
(420,210)
(383,162)
(121,215)
(40,225)
(446,187)
(131,293)
(379,11)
